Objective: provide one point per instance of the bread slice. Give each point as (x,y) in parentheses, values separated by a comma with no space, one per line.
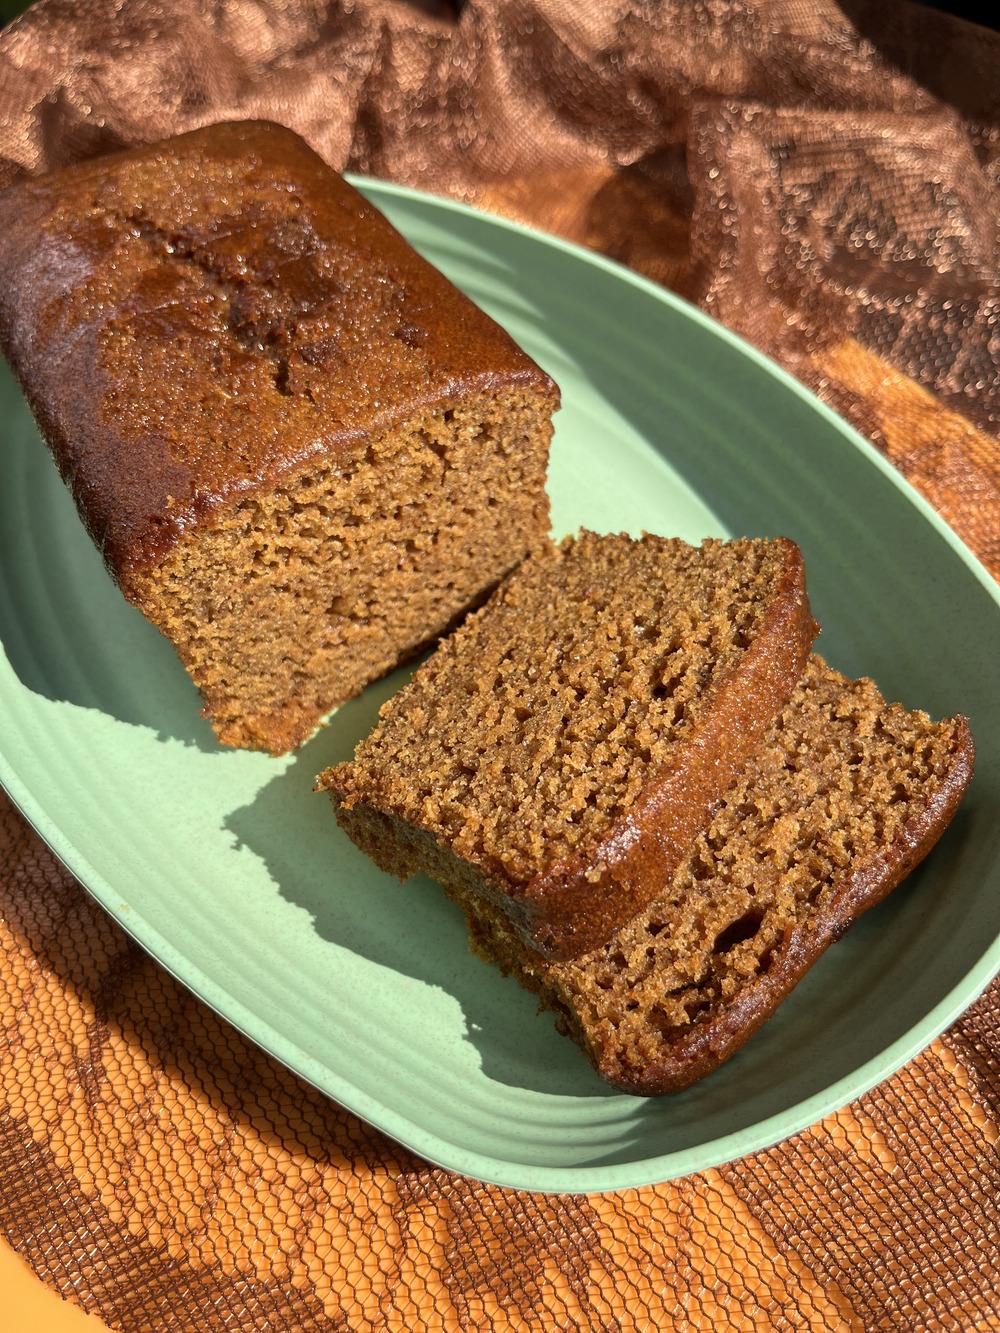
(842,799)
(557,755)
(301,450)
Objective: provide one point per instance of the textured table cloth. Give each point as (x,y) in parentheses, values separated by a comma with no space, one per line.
(824,179)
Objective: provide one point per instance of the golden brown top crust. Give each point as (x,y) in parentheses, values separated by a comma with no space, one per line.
(193,318)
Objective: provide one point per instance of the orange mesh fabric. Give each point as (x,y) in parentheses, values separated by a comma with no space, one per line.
(824,178)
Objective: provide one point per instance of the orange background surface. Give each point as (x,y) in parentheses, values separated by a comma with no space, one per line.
(26,1306)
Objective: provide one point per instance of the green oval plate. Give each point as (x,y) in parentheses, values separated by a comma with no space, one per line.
(233,875)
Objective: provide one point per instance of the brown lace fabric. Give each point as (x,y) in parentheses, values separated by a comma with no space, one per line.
(824,178)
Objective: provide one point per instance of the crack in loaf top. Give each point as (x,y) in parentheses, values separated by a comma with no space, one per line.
(194,318)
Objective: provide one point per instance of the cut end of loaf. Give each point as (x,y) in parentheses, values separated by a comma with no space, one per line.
(845,796)
(293,599)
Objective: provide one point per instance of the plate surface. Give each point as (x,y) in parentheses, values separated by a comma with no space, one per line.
(229,870)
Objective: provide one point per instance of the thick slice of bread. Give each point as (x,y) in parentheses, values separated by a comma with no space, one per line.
(558,754)
(842,799)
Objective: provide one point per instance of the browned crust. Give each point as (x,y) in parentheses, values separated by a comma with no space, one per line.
(697,1052)
(402,850)
(137,494)
(575,906)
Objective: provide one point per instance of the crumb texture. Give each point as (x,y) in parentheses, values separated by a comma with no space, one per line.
(528,734)
(294,599)
(825,800)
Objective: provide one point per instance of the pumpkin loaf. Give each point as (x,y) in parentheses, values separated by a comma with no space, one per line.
(557,755)
(842,799)
(301,450)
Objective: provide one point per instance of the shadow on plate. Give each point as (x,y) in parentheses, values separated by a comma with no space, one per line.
(411,929)
(67,631)
(170,707)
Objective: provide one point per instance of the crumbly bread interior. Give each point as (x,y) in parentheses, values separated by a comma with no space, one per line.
(295,597)
(534,728)
(828,792)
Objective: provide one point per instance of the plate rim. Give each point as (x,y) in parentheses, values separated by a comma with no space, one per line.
(425,1143)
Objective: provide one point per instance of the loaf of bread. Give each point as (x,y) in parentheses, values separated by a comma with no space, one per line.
(558,754)
(842,799)
(301,450)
